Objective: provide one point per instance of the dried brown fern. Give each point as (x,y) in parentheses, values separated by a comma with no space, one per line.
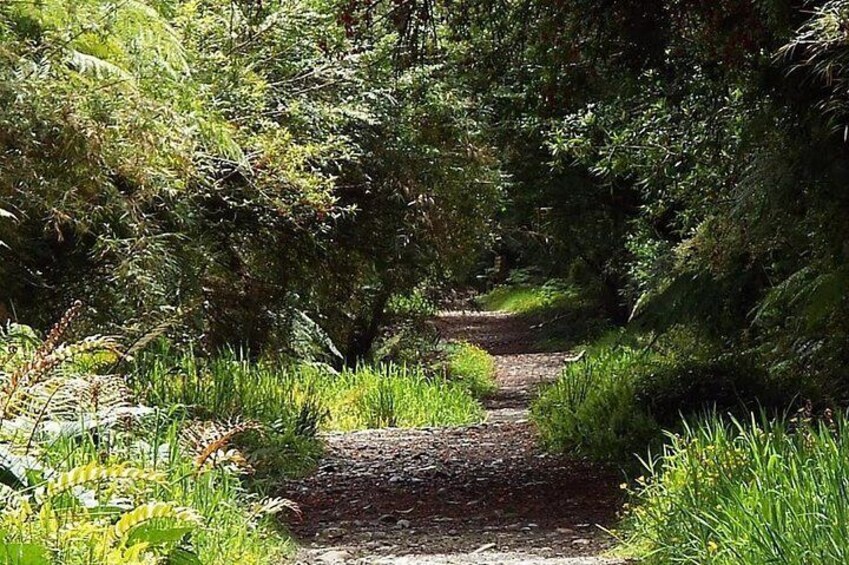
(39,361)
(45,374)
(59,329)
(207,440)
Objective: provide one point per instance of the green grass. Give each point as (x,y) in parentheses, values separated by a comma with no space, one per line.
(563,314)
(617,400)
(301,398)
(726,492)
(530,298)
(472,367)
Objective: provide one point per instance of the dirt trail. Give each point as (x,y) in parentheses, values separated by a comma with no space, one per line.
(470,495)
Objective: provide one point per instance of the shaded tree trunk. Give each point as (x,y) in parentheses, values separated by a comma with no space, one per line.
(367,327)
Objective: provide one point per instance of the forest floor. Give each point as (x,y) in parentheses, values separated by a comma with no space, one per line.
(482,494)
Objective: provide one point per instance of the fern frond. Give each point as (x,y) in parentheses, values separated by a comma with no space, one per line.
(206,440)
(89,64)
(71,399)
(153,511)
(27,381)
(68,352)
(94,472)
(59,328)
(812,294)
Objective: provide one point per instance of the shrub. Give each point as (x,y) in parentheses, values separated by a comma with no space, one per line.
(471,366)
(593,409)
(414,305)
(731,492)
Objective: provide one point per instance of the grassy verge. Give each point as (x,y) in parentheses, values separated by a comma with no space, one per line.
(617,400)
(472,367)
(726,492)
(299,399)
(529,298)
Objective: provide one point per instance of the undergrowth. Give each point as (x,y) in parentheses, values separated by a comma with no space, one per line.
(88,478)
(626,389)
(472,367)
(299,399)
(754,491)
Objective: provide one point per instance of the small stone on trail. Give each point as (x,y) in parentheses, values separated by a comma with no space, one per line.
(402,524)
(334,557)
(334,532)
(483,548)
(581,541)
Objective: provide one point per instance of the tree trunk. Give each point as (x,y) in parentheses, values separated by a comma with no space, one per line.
(367,328)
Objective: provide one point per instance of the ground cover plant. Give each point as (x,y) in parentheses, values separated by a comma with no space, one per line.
(89,477)
(745,491)
(529,298)
(472,367)
(301,398)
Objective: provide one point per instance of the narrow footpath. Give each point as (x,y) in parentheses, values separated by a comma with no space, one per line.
(482,494)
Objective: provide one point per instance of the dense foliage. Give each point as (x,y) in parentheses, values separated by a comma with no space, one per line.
(237,164)
(686,158)
(241,165)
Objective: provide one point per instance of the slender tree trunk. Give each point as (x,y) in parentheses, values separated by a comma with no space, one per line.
(368,327)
